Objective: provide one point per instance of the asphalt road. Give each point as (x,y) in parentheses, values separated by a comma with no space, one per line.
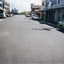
(26,41)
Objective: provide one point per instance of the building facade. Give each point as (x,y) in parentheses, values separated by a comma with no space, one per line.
(14,10)
(35,9)
(54,10)
(42,10)
(1,8)
(6,7)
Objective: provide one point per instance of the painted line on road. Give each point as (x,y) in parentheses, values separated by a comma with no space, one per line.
(1,20)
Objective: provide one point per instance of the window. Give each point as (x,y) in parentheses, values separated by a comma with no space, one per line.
(58,1)
(55,2)
(0,5)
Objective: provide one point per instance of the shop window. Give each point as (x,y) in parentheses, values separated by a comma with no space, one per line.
(58,1)
(0,5)
(59,15)
(62,17)
(55,2)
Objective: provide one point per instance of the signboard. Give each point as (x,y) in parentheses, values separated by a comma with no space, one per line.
(61,1)
(58,6)
(49,5)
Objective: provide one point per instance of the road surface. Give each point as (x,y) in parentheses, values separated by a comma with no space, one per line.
(26,41)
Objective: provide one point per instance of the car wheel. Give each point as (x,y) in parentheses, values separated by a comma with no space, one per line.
(32,18)
(61,27)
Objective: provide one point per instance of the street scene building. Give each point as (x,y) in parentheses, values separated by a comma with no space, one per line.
(15,11)
(54,10)
(1,8)
(32,34)
(42,10)
(6,7)
(35,9)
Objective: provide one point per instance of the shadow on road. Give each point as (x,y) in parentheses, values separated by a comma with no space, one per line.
(51,24)
(62,31)
(1,18)
(47,29)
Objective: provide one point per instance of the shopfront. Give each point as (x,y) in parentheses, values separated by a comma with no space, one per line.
(42,14)
(59,14)
(1,13)
(62,14)
(50,15)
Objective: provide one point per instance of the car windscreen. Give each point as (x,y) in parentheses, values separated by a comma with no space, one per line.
(36,16)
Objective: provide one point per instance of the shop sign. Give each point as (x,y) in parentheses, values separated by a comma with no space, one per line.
(58,6)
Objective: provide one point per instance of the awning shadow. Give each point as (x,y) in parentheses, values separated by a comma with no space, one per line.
(62,31)
(52,25)
(47,29)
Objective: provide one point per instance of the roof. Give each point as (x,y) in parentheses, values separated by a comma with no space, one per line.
(5,2)
(36,6)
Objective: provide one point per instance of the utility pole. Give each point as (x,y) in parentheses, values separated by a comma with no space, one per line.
(45,10)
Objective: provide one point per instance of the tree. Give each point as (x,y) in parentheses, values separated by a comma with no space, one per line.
(25,12)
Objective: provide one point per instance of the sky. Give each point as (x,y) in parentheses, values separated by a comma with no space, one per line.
(23,5)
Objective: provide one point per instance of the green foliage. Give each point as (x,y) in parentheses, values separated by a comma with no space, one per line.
(25,12)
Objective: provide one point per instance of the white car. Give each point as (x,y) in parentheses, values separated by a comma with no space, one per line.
(11,15)
(27,15)
(32,16)
(35,17)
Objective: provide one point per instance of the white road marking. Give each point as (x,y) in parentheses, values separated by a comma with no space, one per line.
(1,20)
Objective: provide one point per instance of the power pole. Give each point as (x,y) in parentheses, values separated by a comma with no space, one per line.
(45,10)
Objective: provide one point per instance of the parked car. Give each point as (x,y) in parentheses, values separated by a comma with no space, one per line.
(61,24)
(27,15)
(11,15)
(32,16)
(7,15)
(35,17)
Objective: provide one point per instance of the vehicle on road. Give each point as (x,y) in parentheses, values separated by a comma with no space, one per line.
(11,15)
(61,24)
(32,16)
(27,15)
(35,17)
(7,15)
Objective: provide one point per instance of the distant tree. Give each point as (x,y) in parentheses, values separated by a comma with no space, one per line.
(25,12)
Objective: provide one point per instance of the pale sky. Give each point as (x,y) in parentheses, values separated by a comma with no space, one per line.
(23,5)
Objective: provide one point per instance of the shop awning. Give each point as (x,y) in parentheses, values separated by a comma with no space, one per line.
(41,10)
(58,6)
(36,10)
(0,2)
(2,9)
